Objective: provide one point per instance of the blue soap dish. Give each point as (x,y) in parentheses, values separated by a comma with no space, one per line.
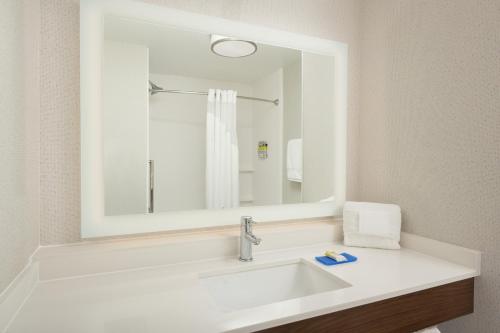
(329,261)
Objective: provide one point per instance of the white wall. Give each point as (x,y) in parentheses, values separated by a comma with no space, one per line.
(19,135)
(177,141)
(318,126)
(292,124)
(125,126)
(268,126)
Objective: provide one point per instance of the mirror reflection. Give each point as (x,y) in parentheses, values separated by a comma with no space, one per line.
(195,121)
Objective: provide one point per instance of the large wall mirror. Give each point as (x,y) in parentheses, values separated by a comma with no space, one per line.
(190,121)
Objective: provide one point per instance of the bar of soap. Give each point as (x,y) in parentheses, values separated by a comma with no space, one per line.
(335,256)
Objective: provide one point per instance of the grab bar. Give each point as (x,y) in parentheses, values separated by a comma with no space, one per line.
(151,201)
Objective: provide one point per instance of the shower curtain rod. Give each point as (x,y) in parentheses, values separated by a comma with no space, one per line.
(154,89)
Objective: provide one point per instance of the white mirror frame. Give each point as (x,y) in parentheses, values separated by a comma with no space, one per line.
(94,222)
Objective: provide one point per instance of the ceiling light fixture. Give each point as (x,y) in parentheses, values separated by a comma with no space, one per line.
(232,47)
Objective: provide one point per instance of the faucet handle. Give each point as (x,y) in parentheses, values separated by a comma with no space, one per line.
(247,220)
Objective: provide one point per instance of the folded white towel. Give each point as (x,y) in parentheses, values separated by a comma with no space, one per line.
(369,224)
(430,330)
(294,160)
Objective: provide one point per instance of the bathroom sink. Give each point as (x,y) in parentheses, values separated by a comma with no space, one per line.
(247,287)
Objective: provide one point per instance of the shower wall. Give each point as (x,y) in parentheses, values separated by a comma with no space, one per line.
(318,127)
(268,127)
(177,140)
(124,114)
(292,124)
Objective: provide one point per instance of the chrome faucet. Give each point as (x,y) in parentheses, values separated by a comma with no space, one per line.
(247,238)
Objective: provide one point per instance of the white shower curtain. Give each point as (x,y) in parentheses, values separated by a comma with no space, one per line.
(222,165)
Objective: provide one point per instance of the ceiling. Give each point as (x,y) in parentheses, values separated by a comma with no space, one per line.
(186,53)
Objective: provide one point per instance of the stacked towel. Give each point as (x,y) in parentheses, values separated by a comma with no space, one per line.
(369,224)
(294,160)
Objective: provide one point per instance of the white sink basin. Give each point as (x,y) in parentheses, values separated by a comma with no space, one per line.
(246,287)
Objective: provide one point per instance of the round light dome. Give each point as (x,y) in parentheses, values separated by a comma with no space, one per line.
(232,47)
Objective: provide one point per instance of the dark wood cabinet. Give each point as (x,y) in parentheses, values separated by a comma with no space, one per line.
(402,314)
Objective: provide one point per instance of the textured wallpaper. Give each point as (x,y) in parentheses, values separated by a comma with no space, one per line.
(430,128)
(60,127)
(19,136)
(60,122)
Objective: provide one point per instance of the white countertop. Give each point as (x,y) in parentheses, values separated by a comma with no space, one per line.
(171,299)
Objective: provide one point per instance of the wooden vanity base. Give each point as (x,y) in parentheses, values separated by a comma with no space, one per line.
(402,314)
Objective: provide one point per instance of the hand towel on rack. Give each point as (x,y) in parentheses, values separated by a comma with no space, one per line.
(294,160)
(368,224)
